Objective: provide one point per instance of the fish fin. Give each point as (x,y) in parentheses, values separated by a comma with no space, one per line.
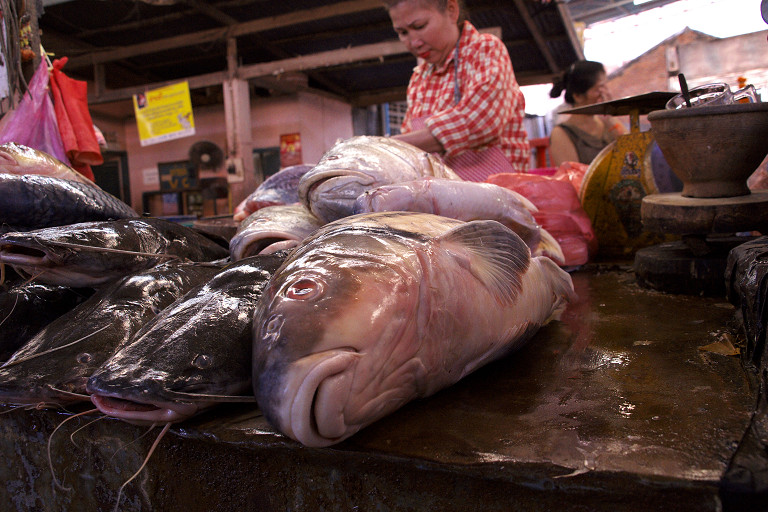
(550,247)
(561,284)
(498,257)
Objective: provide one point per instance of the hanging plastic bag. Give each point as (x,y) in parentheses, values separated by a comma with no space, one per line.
(33,122)
(70,100)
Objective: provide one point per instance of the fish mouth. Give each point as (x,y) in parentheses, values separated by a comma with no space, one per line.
(24,256)
(315,416)
(342,186)
(265,243)
(143,413)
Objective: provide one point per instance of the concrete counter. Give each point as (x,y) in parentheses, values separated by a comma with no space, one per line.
(615,407)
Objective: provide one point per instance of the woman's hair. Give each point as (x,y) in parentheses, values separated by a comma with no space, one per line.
(440,5)
(578,79)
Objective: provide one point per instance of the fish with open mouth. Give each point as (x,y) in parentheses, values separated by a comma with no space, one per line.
(20,159)
(357,164)
(197,353)
(271,229)
(28,307)
(54,365)
(32,202)
(93,253)
(375,310)
(282,188)
(464,200)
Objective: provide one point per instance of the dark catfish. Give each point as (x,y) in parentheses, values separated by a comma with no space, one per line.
(33,202)
(93,253)
(55,364)
(28,307)
(195,354)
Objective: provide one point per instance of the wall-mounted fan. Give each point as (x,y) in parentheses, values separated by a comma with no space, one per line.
(206,156)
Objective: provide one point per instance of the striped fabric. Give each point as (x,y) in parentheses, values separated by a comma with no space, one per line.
(491,110)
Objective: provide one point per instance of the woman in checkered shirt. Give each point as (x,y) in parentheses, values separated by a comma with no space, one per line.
(463,99)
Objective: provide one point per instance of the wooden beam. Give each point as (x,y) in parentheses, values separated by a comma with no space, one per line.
(323,59)
(221,34)
(536,33)
(275,69)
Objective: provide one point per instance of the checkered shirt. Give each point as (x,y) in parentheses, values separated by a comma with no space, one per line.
(491,109)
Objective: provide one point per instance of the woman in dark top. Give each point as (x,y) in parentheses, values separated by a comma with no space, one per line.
(582,136)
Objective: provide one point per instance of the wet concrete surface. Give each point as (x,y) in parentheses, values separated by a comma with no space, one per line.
(614,407)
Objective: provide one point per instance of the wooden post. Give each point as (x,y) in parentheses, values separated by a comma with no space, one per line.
(237,112)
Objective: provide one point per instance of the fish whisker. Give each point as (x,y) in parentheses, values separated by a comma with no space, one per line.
(69,393)
(112,250)
(202,397)
(72,435)
(135,440)
(58,484)
(151,451)
(55,349)
(15,302)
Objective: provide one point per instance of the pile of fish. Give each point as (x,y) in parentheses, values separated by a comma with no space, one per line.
(333,305)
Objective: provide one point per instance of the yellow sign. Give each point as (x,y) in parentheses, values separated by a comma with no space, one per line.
(164,114)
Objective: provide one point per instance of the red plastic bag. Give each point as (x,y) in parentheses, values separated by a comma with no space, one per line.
(33,122)
(70,99)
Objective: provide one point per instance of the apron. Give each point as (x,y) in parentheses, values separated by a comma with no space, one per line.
(470,165)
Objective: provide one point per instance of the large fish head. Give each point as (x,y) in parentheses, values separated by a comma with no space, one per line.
(195,354)
(331,339)
(272,229)
(166,372)
(134,390)
(353,166)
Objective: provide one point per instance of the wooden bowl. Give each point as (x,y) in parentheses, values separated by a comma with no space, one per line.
(713,149)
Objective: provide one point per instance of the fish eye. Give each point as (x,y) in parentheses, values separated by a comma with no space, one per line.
(202,361)
(84,358)
(304,289)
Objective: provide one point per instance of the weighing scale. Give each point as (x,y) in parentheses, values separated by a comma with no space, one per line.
(622,174)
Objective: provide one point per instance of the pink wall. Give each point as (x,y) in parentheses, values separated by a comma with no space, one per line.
(320,121)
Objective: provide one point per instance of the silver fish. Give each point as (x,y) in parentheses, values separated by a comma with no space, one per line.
(195,354)
(33,202)
(373,311)
(467,201)
(53,367)
(20,159)
(357,164)
(271,229)
(93,253)
(281,188)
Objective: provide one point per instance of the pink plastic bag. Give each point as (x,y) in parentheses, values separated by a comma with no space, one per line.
(33,122)
(560,212)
